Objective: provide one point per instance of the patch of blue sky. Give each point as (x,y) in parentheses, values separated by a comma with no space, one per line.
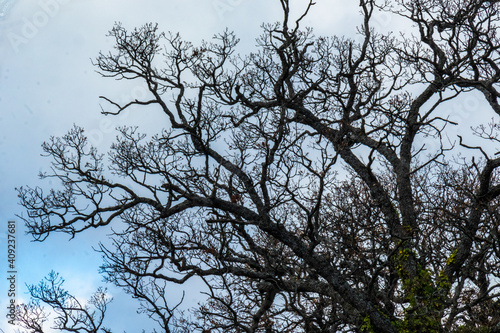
(47,84)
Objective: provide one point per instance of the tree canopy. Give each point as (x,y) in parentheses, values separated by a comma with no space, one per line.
(310,185)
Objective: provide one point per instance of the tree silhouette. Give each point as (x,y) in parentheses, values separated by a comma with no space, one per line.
(310,185)
(71,314)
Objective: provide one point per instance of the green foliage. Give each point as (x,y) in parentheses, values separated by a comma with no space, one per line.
(426,297)
(367,325)
(451,258)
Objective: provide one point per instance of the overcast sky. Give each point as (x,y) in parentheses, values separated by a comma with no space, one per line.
(47,84)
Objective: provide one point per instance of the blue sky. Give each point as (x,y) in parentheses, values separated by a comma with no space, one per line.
(47,84)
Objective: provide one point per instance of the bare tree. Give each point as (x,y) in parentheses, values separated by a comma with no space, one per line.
(244,189)
(70,314)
